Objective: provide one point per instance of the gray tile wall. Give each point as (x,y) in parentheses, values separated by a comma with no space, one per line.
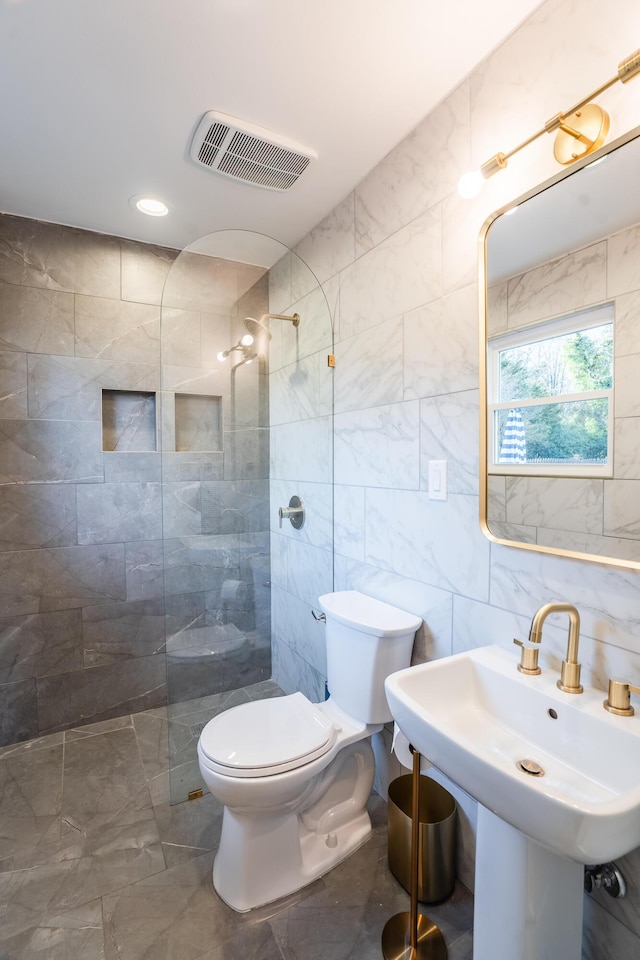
(82,556)
(81,602)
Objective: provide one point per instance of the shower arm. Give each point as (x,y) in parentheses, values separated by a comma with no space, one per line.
(295,319)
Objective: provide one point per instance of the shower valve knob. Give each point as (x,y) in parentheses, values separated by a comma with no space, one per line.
(294,512)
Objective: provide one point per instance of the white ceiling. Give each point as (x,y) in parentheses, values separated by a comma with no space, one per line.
(100,100)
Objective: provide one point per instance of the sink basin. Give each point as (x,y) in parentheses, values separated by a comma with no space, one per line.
(474,716)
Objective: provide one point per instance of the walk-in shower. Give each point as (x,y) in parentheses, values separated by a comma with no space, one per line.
(141,482)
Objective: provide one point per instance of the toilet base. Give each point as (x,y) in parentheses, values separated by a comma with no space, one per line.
(266,854)
(273,872)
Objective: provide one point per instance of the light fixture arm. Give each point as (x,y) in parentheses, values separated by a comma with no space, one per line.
(627,70)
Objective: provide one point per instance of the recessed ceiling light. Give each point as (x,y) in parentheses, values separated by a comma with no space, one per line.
(149,205)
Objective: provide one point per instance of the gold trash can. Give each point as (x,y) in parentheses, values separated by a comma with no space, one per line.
(437,837)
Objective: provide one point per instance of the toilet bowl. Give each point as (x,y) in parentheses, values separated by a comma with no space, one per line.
(294,776)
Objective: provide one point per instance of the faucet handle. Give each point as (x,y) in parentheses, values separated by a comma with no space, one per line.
(528,657)
(294,512)
(619,699)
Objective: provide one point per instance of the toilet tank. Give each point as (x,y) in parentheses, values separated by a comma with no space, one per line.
(366,641)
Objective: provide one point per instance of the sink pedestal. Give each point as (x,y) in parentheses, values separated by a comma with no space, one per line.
(528,900)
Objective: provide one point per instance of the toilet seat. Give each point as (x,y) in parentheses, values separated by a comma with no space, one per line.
(266,737)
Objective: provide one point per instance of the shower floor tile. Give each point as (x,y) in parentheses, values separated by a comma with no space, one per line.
(95,864)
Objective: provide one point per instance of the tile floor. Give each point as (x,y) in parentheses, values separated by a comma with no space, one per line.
(97,865)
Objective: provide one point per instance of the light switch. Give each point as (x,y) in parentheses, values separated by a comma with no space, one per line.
(437,479)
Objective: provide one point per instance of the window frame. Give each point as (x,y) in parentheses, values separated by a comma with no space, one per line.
(598,316)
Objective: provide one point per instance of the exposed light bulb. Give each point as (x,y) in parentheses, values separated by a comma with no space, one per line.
(247,340)
(470,184)
(223,355)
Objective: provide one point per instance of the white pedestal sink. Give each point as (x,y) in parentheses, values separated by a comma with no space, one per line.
(475,717)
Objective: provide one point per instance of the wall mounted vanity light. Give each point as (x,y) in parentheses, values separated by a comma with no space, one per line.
(579,131)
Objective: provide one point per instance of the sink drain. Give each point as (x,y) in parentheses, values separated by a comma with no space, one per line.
(530,767)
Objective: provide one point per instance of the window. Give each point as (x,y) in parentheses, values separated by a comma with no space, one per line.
(550,390)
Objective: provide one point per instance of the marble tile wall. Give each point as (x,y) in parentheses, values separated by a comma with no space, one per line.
(398,262)
(302,464)
(600,516)
(99,558)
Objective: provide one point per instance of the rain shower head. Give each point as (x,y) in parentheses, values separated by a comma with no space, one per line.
(256,327)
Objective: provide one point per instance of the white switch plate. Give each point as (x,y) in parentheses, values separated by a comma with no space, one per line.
(437,479)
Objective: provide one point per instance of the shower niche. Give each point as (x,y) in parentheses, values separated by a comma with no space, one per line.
(129,421)
(198,423)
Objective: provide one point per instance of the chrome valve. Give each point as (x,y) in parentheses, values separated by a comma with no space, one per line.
(294,512)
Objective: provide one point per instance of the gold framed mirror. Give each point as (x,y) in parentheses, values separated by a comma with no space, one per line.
(560,363)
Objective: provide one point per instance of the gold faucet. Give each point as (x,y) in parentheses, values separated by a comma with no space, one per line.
(570,672)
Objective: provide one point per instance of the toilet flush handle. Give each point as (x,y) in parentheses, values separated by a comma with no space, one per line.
(321,617)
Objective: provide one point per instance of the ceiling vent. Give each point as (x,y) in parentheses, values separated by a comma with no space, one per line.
(248,153)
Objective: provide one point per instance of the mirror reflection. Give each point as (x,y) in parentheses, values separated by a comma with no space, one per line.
(562,327)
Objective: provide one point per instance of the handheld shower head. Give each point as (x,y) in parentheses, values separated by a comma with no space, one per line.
(248,356)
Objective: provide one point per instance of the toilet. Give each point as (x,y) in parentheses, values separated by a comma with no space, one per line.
(294,776)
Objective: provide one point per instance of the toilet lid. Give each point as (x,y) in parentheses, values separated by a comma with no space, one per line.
(267,736)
